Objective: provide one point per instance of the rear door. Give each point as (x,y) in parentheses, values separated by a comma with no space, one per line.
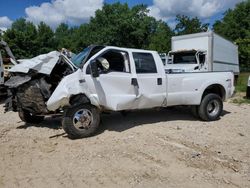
(150,80)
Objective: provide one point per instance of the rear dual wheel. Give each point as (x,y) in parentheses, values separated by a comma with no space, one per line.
(210,108)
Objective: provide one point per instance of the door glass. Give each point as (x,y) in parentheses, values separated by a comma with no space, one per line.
(112,61)
(144,63)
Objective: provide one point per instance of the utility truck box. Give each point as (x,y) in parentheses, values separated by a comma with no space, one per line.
(201,52)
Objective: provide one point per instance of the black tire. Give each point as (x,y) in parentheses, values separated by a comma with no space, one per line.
(194,111)
(29,118)
(211,107)
(76,129)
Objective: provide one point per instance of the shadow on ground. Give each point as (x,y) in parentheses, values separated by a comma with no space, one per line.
(48,122)
(118,122)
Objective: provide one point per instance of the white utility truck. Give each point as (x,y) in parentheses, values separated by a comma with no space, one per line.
(203,52)
(123,79)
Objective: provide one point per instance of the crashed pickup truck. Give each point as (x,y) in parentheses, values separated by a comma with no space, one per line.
(123,79)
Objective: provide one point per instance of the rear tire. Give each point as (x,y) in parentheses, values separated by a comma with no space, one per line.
(211,107)
(81,121)
(29,118)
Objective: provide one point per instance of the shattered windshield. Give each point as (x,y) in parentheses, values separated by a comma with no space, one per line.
(77,59)
(85,55)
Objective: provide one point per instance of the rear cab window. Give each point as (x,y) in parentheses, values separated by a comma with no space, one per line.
(144,63)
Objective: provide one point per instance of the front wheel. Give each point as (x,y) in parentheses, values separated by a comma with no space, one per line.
(211,107)
(81,121)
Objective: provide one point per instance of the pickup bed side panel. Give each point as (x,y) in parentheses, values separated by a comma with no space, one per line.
(188,88)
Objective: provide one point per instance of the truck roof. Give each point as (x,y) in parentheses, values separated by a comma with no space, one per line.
(129,49)
(197,35)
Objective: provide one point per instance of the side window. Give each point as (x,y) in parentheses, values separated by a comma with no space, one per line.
(112,61)
(144,63)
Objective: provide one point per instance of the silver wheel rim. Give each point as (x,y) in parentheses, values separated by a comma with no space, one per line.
(213,107)
(83,119)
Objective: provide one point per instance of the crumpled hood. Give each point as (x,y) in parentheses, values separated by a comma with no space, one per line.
(43,63)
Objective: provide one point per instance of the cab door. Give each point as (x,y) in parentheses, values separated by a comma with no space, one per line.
(150,80)
(113,88)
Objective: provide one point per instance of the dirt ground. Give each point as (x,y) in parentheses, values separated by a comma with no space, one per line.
(164,148)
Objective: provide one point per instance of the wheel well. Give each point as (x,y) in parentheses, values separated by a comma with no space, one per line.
(216,89)
(78,99)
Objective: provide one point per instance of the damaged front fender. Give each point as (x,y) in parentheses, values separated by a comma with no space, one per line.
(70,85)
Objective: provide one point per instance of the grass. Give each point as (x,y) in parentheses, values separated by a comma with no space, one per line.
(241,101)
(241,85)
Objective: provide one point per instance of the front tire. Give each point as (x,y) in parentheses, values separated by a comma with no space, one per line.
(195,111)
(29,118)
(81,121)
(211,107)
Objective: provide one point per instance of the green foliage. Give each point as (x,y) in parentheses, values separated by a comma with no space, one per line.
(22,38)
(160,40)
(242,82)
(117,24)
(236,26)
(240,101)
(45,38)
(187,25)
(64,36)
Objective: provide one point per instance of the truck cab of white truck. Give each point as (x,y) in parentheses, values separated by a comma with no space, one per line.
(187,61)
(202,52)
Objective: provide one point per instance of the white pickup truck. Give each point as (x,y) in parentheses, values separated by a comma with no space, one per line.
(123,79)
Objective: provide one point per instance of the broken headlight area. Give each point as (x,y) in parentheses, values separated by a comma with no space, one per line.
(30,91)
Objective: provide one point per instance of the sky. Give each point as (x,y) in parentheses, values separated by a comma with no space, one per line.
(76,12)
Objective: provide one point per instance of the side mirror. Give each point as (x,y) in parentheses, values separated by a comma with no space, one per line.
(94,69)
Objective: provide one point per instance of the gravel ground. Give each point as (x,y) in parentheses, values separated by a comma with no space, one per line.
(164,148)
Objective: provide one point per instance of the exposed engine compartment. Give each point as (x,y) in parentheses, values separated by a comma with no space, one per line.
(33,81)
(30,91)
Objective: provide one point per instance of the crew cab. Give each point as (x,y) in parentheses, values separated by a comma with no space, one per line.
(123,79)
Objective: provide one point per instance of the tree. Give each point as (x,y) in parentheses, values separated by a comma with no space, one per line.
(45,39)
(117,24)
(160,40)
(21,38)
(236,26)
(64,36)
(187,25)
(83,37)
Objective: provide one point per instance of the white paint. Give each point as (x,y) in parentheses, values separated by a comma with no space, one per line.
(221,54)
(114,91)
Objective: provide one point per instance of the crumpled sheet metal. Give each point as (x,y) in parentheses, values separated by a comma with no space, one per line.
(69,86)
(43,63)
(16,81)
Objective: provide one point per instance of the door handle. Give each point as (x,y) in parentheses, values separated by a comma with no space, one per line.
(159,81)
(134,82)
